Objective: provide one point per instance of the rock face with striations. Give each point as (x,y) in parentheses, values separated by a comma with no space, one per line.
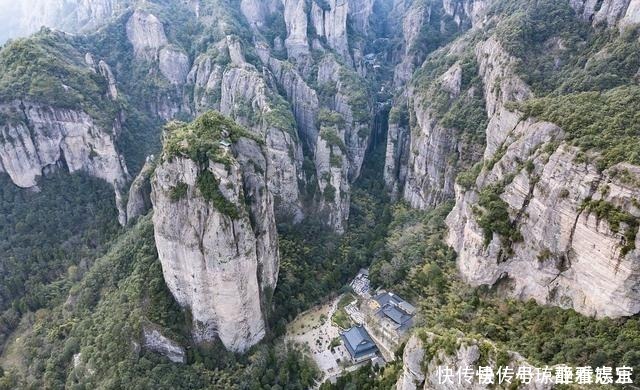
(215,229)
(417,14)
(74,16)
(569,248)
(424,153)
(151,47)
(569,258)
(139,200)
(35,138)
(240,91)
(330,22)
(608,12)
(422,371)
(155,341)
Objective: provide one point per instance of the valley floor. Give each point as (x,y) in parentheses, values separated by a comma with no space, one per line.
(314,331)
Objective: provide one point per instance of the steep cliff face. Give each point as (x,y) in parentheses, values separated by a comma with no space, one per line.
(431,138)
(324,84)
(304,99)
(28,16)
(548,197)
(570,257)
(215,229)
(426,26)
(72,122)
(139,199)
(609,12)
(528,173)
(330,22)
(296,20)
(345,129)
(146,33)
(427,353)
(37,138)
(412,357)
(241,92)
(151,47)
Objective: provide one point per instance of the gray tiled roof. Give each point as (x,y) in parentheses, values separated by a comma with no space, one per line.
(395,308)
(396,315)
(358,342)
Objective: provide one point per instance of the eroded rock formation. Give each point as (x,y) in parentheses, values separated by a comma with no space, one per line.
(215,233)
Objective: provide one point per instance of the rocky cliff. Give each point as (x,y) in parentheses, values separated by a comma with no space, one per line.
(566,249)
(426,26)
(48,121)
(272,78)
(555,239)
(427,353)
(28,16)
(139,200)
(431,137)
(608,12)
(37,138)
(241,92)
(158,55)
(154,340)
(215,229)
(429,141)
(556,247)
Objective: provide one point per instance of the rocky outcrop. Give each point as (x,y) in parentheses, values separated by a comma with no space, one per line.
(501,85)
(254,11)
(155,341)
(36,138)
(330,23)
(224,80)
(338,159)
(303,98)
(632,16)
(332,180)
(412,375)
(413,18)
(360,14)
(139,200)
(344,136)
(430,175)
(426,370)
(242,93)
(106,72)
(152,49)
(147,36)
(216,239)
(397,152)
(424,152)
(326,24)
(146,33)
(569,258)
(609,12)
(295,17)
(28,16)
(465,13)
(351,103)
(174,64)
(204,78)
